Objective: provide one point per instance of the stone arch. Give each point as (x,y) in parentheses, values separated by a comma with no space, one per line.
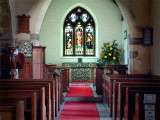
(5,23)
(135,23)
(41,16)
(125,8)
(129,18)
(5,29)
(136,60)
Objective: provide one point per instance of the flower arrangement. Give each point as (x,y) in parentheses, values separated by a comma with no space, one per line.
(110,54)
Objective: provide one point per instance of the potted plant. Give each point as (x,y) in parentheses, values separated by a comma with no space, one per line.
(110,54)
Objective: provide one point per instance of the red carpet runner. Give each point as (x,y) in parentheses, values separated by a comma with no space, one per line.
(80,91)
(79,111)
(81,82)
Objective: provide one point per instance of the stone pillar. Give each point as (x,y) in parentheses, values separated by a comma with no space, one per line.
(35,39)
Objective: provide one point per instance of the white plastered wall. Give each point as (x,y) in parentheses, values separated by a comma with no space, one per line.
(105,13)
(155,50)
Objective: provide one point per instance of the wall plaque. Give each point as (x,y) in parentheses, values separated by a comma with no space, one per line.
(149,112)
(150,98)
(23,24)
(147,36)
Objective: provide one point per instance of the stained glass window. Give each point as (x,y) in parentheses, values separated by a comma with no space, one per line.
(84,17)
(73,17)
(79,10)
(79,39)
(68,39)
(79,33)
(89,35)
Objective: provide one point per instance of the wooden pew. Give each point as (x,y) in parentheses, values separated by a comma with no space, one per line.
(5,95)
(65,77)
(51,73)
(35,85)
(139,107)
(52,90)
(129,109)
(121,94)
(56,98)
(108,81)
(115,90)
(29,86)
(64,81)
(108,85)
(41,82)
(57,94)
(12,111)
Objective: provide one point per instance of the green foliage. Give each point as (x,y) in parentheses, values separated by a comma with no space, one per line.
(110,54)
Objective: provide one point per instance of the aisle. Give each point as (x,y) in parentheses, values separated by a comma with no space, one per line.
(80,91)
(79,110)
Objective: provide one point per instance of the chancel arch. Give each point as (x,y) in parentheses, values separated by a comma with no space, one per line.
(124,8)
(139,54)
(108,27)
(5,25)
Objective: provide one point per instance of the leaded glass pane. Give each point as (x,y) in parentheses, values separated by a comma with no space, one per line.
(89,42)
(73,17)
(79,33)
(68,39)
(79,39)
(79,10)
(84,17)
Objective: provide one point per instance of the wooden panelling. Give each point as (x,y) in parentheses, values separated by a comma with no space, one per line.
(37,71)
(65,80)
(7,113)
(23,24)
(26,72)
(34,66)
(37,56)
(99,73)
(38,62)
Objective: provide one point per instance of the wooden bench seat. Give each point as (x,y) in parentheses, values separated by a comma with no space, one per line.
(12,111)
(39,91)
(130,101)
(33,86)
(129,105)
(109,80)
(122,98)
(55,97)
(54,90)
(23,96)
(139,107)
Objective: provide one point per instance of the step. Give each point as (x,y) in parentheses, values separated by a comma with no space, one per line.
(83,99)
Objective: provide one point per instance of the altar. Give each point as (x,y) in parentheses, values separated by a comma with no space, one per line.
(81,71)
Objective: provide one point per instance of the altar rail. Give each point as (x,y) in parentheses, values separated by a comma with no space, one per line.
(82,71)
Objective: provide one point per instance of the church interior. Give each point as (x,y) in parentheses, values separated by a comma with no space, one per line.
(79,60)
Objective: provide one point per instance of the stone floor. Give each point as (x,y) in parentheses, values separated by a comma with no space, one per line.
(102,110)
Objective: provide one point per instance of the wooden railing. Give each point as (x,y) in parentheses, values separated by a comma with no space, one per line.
(49,72)
(109,69)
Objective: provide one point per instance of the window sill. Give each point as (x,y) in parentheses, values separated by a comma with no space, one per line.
(74,57)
